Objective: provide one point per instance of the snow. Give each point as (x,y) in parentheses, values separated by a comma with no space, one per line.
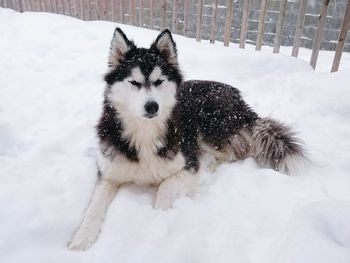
(51,88)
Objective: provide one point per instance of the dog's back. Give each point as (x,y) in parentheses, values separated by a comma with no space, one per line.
(228,128)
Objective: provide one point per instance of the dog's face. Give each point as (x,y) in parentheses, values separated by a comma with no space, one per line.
(143,82)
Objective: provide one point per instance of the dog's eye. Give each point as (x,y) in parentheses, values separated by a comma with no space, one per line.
(136,84)
(158,82)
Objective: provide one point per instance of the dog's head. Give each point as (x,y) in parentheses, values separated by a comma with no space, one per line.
(143,82)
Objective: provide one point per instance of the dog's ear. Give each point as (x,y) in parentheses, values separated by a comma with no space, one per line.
(120,45)
(166,47)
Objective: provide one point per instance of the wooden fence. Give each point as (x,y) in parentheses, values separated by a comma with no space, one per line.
(164,13)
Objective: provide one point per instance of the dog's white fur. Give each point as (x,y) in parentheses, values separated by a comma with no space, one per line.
(130,100)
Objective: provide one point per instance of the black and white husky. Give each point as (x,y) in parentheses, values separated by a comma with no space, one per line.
(155,127)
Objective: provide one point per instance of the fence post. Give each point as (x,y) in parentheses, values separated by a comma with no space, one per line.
(299,28)
(13,4)
(24,5)
(49,3)
(78,9)
(112,11)
(186,16)
(52,2)
(342,36)
(163,9)
(261,26)
(121,10)
(132,12)
(244,26)
(8,4)
(98,9)
(228,23)
(279,28)
(199,20)
(74,8)
(43,6)
(62,7)
(151,13)
(142,6)
(174,25)
(88,11)
(20,5)
(318,37)
(29,6)
(36,5)
(214,7)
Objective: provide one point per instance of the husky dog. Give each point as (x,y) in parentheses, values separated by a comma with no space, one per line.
(155,127)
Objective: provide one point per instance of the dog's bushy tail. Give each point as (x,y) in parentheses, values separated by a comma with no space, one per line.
(274,144)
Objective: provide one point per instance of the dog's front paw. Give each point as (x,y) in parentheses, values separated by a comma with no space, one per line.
(180,185)
(81,242)
(163,202)
(83,238)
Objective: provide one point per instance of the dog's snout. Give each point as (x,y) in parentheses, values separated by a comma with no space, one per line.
(151,108)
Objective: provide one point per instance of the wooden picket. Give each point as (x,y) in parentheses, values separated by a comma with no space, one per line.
(132,14)
(163,10)
(151,14)
(299,28)
(281,15)
(186,17)
(341,41)
(174,20)
(244,26)
(261,25)
(199,20)
(228,24)
(318,37)
(141,15)
(214,8)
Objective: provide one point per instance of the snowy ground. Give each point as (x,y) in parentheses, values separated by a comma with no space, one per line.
(51,89)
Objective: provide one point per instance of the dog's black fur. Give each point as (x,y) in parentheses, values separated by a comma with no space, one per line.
(110,129)
(212,111)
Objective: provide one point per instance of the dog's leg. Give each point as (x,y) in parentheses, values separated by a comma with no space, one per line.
(181,184)
(89,228)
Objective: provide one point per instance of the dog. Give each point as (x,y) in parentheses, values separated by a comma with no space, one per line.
(155,128)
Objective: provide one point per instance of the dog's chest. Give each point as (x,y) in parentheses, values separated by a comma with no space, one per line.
(151,169)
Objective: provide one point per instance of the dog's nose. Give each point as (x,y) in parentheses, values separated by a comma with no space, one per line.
(151,108)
